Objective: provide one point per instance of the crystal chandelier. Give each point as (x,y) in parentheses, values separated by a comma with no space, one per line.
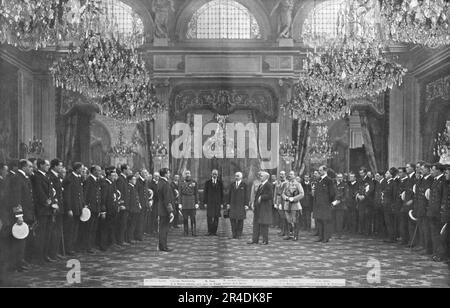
(34,24)
(353,72)
(123,148)
(34,147)
(311,103)
(104,69)
(321,149)
(159,149)
(288,151)
(423,22)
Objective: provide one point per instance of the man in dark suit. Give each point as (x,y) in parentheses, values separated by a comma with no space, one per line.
(324,195)
(92,199)
(262,210)
(109,210)
(144,200)
(307,203)
(364,199)
(122,187)
(43,202)
(21,203)
(437,201)
(213,201)
(165,208)
(351,220)
(57,232)
(339,205)
(237,205)
(73,205)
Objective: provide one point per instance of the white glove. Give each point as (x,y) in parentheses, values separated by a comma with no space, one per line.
(197,206)
(180,206)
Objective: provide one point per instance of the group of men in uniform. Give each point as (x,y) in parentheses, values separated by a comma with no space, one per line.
(48,213)
(408,205)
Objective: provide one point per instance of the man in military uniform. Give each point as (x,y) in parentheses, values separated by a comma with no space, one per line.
(56,181)
(405,196)
(73,204)
(175,185)
(339,205)
(122,219)
(5,225)
(189,202)
(388,200)
(365,202)
(438,199)
(134,209)
(109,210)
(422,190)
(92,199)
(144,199)
(379,225)
(22,206)
(153,223)
(279,203)
(412,225)
(43,202)
(165,210)
(291,195)
(213,201)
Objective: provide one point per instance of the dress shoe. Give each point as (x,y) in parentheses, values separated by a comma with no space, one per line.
(295,238)
(126,244)
(70,253)
(325,241)
(389,241)
(287,238)
(166,250)
(252,243)
(90,251)
(318,240)
(265,243)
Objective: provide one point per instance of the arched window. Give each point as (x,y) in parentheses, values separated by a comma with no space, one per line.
(123,18)
(323,18)
(223,19)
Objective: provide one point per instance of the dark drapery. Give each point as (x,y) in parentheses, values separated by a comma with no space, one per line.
(302,138)
(145,129)
(368,143)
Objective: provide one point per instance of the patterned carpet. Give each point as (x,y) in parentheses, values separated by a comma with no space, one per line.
(220,257)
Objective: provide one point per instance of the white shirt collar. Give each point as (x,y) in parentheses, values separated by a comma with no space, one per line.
(264,182)
(108,180)
(23,173)
(411,175)
(131,184)
(12,172)
(163,178)
(54,173)
(438,177)
(42,172)
(142,179)
(427,176)
(93,177)
(76,175)
(323,176)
